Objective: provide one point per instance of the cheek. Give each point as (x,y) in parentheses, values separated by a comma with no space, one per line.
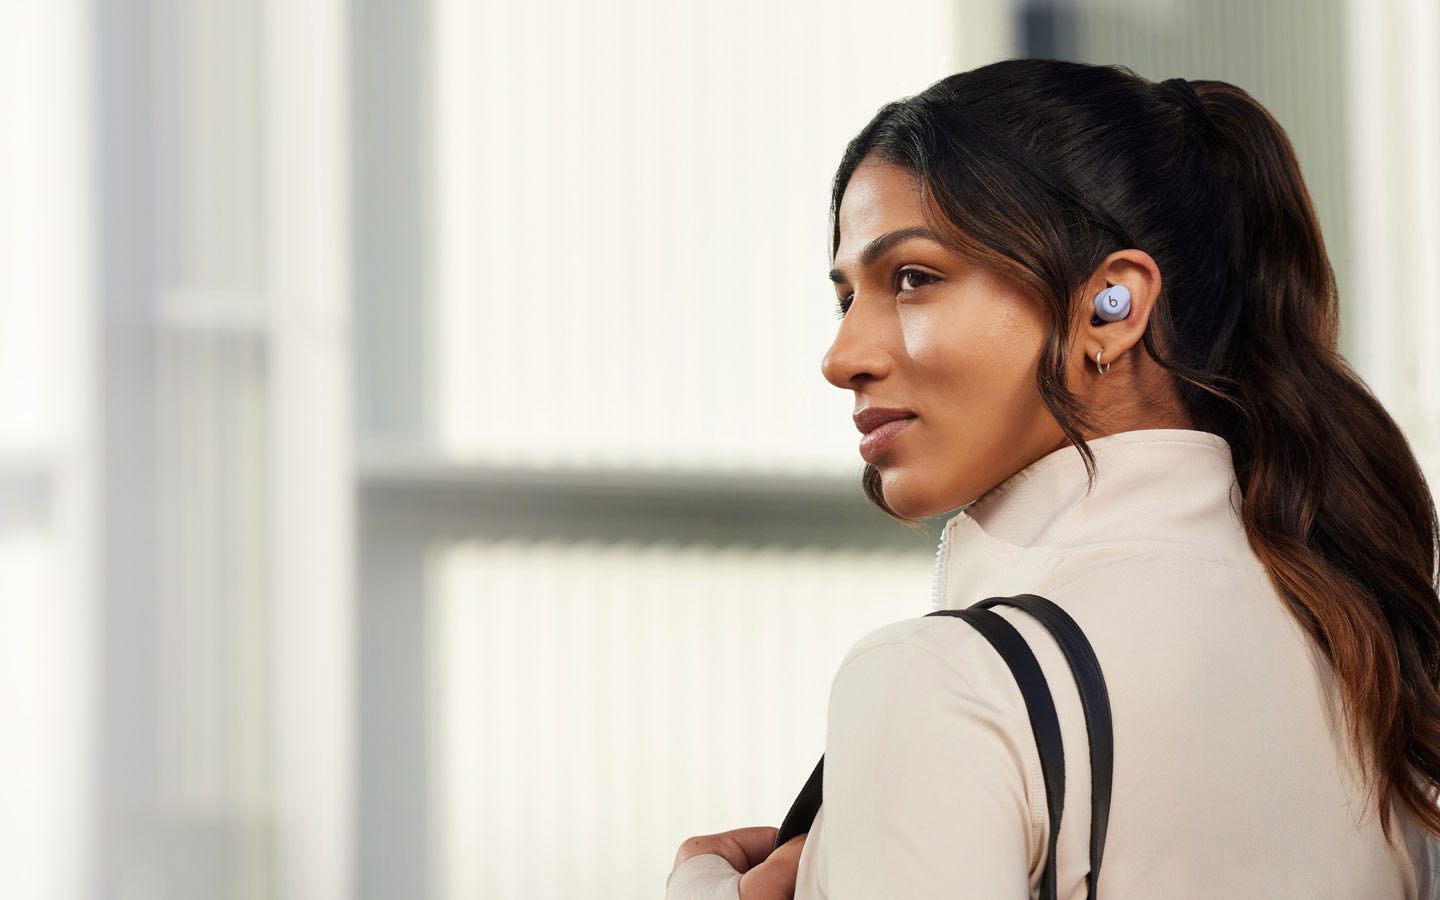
(975,351)
(1017,337)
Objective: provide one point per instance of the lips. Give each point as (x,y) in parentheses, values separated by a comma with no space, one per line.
(867,420)
(880,425)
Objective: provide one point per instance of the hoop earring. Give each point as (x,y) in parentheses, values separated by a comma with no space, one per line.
(1105,369)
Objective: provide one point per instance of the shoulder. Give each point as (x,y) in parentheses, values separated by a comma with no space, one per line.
(906,697)
(928,634)
(928,660)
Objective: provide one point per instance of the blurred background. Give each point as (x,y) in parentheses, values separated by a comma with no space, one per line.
(416,477)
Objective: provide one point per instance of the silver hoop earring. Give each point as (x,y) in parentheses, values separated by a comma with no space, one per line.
(1105,369)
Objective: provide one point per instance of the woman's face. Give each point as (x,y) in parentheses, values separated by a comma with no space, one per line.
(951,343)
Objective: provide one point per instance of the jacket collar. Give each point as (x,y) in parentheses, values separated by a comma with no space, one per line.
(1157,488)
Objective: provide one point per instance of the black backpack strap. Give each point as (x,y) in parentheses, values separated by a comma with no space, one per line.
(1094,700)
(802,811)
(1043,720)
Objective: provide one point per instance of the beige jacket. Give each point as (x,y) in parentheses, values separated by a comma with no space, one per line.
(1231,775)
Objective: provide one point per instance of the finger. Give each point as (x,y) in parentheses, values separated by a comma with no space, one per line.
(755,842)
(710,843)
(787,855)
(774,879)
(742,848)
(793,845)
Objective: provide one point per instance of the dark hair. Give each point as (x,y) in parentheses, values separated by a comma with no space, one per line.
(1039,169)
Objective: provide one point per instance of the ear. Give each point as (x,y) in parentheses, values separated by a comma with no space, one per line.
(1137,270)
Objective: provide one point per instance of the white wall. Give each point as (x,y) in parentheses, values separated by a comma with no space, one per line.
(48,618)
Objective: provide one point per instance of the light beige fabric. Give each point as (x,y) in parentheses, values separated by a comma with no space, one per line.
(1231,774)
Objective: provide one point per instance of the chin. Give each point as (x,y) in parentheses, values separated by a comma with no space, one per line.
(908,493)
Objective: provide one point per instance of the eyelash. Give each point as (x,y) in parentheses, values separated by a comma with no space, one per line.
(843,305)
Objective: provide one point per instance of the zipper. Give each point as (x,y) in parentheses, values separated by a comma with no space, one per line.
(938,567)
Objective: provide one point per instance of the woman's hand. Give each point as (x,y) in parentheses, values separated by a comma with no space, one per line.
(766,875)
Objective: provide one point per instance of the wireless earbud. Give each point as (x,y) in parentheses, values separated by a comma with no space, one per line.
(1113,303)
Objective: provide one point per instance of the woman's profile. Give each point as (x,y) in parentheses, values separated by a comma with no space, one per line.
(1095,315)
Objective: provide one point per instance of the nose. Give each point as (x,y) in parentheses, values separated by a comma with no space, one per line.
(857,353)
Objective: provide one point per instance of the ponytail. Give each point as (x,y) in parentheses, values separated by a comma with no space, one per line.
(1044,167)
(1336,505)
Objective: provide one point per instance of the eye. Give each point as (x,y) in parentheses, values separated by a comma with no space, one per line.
(842,305)
(927,278)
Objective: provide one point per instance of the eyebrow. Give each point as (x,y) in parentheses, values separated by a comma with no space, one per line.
(878,247)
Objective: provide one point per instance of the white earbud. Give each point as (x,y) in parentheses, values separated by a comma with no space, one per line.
(1113,303)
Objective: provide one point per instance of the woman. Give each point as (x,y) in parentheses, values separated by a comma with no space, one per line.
(1198,479)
